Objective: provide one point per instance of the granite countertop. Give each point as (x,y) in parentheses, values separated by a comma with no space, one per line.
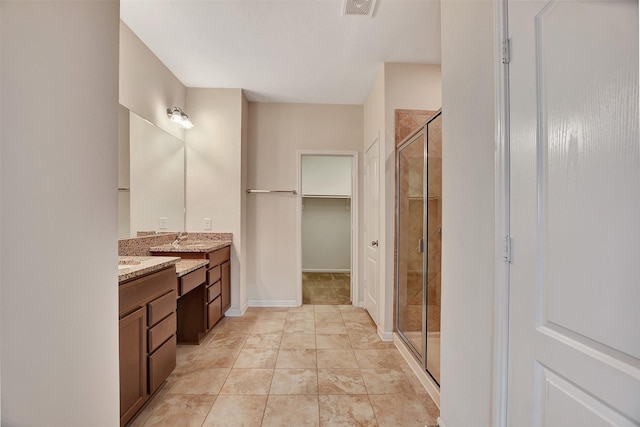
(186,266)
(131,267)
(193,246)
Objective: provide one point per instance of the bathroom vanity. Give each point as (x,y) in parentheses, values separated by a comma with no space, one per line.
(201,306)
(147,328)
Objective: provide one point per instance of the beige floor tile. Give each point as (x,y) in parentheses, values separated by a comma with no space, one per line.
(270,327)
(368,340)
(268,316)
(344,308)
(302,308)
(402,410)
(257,358)
(300,316)
(328,317)
(296,358)
(298,341)
(340,381)
(333,341)
(299,327)
(360,316)
(200,381)
(330,328)
(181,410)
(247,381)
(360,327)
(293,410)
(339,411)
(263,341)
(227,340)
(186,354)
(378,358)
(386,381)
(236,410)
(151,406)
(327,309)
(336,358)
(294,381)
(237,327)
(216,358)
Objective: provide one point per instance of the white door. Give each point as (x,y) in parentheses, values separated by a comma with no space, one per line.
(372,206)
(574,332)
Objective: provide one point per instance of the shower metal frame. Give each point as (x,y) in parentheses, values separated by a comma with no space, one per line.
(425,189)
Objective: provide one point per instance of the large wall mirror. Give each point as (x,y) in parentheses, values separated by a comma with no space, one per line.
(151,178)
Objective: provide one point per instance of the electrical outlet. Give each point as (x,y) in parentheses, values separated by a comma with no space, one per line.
(163,223)
(206,223)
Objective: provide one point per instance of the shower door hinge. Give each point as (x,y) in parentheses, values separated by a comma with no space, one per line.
(506,51)
(506,249)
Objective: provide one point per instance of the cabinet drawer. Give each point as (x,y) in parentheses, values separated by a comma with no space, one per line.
(161,363)
(163,330)
(138,292)
(213,291)
(219,256)
(192,280)
(161,307)
(213,275)
(214,312)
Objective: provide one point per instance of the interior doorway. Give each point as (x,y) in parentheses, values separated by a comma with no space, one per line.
(327,227)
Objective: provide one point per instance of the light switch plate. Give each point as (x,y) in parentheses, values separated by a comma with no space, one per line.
(163,223)
(206,223)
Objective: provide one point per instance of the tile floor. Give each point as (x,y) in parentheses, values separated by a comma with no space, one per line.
(326,288)
(315,365)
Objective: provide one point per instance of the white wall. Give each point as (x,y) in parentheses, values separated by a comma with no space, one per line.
(59,302)
(214,172)
(326,175)
(276,132)
(326,234)
(147,87)
(468,211)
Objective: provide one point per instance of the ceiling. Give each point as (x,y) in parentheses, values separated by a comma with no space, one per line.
(285,50)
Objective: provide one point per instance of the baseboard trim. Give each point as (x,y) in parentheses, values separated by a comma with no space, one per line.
(385,336)
(330,270)
(440,422)
(427,382)
(273,303)
(237,312)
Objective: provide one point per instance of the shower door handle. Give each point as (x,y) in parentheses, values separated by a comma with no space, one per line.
(421,246)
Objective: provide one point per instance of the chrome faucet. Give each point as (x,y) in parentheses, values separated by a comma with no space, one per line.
(181,236)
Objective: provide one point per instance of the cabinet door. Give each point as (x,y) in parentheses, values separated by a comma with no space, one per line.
(225,292)
(133,363)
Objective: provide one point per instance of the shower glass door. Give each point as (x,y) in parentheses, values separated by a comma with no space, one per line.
(410,243)
(419,243)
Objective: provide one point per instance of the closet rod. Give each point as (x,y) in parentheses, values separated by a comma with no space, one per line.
(272,191)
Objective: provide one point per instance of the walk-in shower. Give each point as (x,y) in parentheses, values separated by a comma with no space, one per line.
(419,243)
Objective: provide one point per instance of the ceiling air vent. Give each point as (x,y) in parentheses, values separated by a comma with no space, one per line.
(359,7)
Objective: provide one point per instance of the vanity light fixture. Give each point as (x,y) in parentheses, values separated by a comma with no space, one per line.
(180,117)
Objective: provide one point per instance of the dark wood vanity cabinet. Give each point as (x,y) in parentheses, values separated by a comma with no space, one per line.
(201,307)
(147,337)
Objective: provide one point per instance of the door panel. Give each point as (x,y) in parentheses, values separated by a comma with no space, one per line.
(372,207)
(411,314)
(574,354)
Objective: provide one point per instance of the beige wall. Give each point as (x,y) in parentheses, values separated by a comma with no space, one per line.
(147,87)
(214,171)
(276,131)
(59,329)
(326,234)
(468,211)
(398,86)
